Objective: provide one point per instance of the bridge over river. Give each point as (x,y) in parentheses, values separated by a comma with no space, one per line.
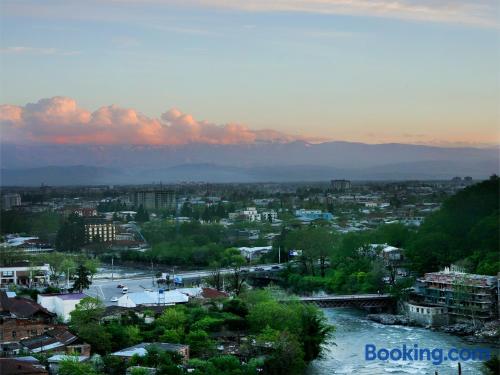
(369,302)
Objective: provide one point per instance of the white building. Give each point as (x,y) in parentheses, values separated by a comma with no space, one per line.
(23,273)
(270,216)
(251,214)
(251,253)
(61,304)
(146,298)
(11,200)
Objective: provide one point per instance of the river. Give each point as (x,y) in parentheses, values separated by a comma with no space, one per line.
(354,331)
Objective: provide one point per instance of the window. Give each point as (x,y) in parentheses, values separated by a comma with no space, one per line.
(14,334)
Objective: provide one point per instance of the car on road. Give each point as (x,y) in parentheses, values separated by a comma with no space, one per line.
(120,286)
(114,299)
(275,267)
(259,269)
(244,271)
(125,290)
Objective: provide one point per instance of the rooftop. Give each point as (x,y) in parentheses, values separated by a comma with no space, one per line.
(141,349)
(11,366)
(66,296)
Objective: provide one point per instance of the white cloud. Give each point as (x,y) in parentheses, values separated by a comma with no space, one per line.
(17,50)
(473,12)
(61,120)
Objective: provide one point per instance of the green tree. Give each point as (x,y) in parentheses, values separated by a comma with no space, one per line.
(82,280)
(315,331)
(466,226)
(287,357)
(92,266)
(199,343)
(173,318)
(232,258)
(71,366)
(85,322)
(142,215)
(71,234)
(492,366)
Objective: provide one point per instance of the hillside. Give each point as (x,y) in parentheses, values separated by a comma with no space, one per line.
(464,231)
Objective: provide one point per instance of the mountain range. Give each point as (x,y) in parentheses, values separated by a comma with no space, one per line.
(58,164)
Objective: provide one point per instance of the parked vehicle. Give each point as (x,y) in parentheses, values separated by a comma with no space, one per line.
(125,290)
(114,299)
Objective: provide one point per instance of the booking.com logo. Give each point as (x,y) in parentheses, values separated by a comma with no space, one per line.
(436,355)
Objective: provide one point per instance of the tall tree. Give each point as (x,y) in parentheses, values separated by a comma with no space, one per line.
(82,280)
(71,234)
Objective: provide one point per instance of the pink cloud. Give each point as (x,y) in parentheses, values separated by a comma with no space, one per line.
(61,120)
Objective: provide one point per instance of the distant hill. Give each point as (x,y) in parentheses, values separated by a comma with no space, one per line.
(85,164)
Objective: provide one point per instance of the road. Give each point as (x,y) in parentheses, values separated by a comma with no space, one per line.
(105,289)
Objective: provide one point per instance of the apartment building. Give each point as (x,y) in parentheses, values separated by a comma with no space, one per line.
(101,229)
(466,296)
(154,199)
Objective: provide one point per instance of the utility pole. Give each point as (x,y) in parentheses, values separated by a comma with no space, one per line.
(112,267)
(279,254)
(152,274)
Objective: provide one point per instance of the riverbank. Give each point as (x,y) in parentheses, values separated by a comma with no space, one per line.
(488,332)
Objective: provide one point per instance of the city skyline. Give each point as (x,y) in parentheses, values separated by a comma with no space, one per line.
(171,72)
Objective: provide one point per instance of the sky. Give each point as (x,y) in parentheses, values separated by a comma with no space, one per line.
(241,71)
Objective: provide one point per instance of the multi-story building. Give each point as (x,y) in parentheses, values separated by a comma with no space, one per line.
(154,199)
(341,185)
(11,200)
(270,216)
(23,273)
(466,296)
(99,229)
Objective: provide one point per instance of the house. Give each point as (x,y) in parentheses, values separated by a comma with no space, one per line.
(56,340)
(141,350)
(156,298)
(19,366)
(61,304)
(21,318)
(391,254)
(427,315)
